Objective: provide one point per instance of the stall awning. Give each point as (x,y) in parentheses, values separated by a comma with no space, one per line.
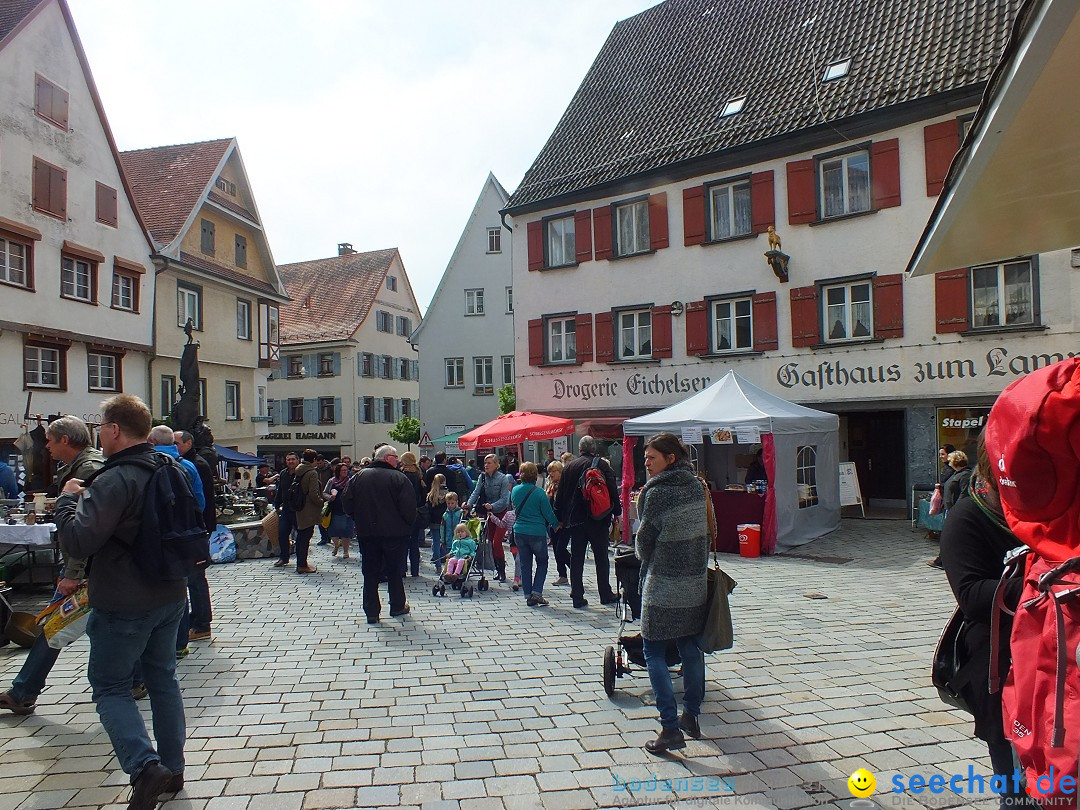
(1014,186)
(449,437)
(236,458)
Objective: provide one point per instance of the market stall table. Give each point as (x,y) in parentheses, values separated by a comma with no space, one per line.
(31,540)
(733,509)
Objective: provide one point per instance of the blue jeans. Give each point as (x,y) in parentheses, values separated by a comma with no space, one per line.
(530,547)
(286,526)
(693,672)
(118,642)
(436,543)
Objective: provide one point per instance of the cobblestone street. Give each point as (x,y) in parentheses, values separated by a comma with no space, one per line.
(485,703)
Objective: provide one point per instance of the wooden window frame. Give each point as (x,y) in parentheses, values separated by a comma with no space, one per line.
(197,291)
(91,277)
(494,240)
(290,405)
(62,378)
(243,302)
(135,280)
(617,251)
(847,285)
(819,178)
(118,371)
(548,224)
(565,317)
(6,240)
(729,183)
(322,404)
(636,311)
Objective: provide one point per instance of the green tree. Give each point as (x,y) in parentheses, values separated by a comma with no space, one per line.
(507,398)
(406,430)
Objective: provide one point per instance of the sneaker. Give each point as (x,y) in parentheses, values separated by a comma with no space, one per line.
(561,581)
(152,782)
(198,635)
(22,707)
(401,612)
(140,691)
(183,653)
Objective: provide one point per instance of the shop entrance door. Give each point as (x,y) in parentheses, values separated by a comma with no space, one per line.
(876,445)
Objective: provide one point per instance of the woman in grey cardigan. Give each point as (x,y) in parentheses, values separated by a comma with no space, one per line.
(673,543)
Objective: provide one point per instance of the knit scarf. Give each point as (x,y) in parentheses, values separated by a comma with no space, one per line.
(978,488)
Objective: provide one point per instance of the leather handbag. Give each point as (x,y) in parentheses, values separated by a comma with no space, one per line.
(951,671)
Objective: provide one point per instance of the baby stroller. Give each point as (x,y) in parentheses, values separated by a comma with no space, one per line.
(628,648)
(474,568)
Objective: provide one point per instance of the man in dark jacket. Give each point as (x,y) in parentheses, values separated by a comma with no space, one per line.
(286,514)
(133,617)
(198,587)
(382,503)
(585,531)
(68,441)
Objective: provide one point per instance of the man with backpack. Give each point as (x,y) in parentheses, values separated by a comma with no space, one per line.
(137,518)
(587,499)
(299,502)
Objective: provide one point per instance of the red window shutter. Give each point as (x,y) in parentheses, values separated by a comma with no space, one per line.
(661,331)
(805,322)
(765,331)
(605,338)
(535,231)
(583,338)
(762,201)
(941,142)
(41,185)
(536,342)
(106,204)
(693,215)
(801,192)
(885,173)
(602,232)
(58,192)
(951,300)
(697,328)
(889,306)
(658,227)
(583,236)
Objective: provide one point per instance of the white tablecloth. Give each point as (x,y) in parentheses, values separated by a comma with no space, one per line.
(40,534)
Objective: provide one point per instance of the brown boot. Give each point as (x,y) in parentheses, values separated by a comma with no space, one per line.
(668,740)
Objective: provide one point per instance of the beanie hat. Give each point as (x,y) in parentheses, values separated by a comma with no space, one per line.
(1033,443)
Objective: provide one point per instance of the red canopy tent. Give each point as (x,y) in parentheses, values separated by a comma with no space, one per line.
(514,428)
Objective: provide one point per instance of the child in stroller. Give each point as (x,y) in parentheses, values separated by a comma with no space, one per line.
(462,553)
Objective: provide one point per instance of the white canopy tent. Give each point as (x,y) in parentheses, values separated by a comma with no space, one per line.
(800,450)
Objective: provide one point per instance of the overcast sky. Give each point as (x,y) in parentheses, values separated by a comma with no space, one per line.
(368,122)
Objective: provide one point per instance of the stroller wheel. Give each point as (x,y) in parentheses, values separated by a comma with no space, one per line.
(442,590)
(609,671)
(472,591)
(482,585)
(434,590)
(464,593)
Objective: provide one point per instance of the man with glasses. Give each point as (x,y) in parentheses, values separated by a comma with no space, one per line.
(383,505)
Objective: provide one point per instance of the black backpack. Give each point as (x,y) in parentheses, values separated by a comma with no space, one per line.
(295,498)
(171,537)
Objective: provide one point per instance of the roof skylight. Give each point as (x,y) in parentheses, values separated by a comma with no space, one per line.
(733,106)
(837,70)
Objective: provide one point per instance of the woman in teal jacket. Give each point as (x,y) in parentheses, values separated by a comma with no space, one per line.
(534,517)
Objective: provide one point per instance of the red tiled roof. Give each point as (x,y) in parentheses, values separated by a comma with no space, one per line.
(331,297)
(168,181)
(236,208)
(227,273)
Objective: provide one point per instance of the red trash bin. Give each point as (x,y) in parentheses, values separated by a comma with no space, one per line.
(749,539)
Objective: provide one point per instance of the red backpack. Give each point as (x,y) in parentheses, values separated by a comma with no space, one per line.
(1032,447)
(594,491)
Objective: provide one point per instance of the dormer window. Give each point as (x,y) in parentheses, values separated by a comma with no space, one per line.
(733,106)
(837,70)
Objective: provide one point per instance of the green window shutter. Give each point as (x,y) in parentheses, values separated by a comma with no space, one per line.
(311,411)
(337,364)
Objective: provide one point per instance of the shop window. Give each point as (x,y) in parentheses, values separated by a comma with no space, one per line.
(806,475)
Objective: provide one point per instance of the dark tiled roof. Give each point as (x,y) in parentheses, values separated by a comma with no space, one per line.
(236,208)
(227,273)
(13,12)
(654,94)
(168,181)
(331,297)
